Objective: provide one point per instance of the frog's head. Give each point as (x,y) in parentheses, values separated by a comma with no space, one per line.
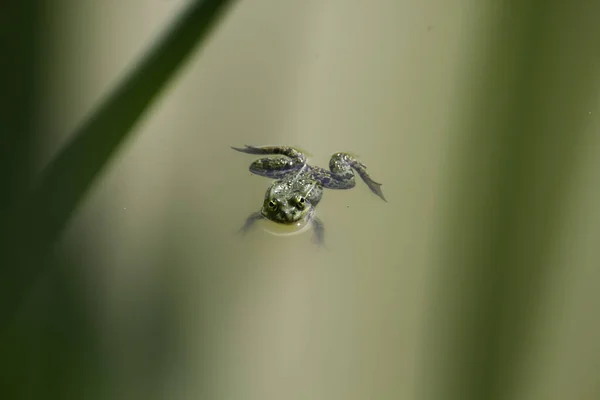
(286,206)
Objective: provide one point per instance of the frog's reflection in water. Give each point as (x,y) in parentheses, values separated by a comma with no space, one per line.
(276,229)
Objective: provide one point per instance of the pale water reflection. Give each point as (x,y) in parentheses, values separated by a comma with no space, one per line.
(284,230)
(267,315)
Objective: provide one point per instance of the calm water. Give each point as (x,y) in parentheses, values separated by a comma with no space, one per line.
(272,316)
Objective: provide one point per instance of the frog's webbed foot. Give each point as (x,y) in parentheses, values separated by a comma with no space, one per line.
(249,149)
(341,176)
(374,186)
(289,159)
(250,222)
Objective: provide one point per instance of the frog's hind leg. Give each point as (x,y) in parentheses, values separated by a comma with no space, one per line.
(341,166)
(289,159)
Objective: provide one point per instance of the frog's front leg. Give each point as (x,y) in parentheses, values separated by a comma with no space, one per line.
(274,167)
(341,176)
(250,221)
(319,229)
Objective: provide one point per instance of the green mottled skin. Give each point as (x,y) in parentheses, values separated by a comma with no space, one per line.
(298,188)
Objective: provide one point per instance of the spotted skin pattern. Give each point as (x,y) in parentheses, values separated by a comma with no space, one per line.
(298,188)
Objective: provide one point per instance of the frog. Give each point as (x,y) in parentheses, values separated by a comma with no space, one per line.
(298,187)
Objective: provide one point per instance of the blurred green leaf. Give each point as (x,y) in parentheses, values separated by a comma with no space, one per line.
(66,180)
(30,230)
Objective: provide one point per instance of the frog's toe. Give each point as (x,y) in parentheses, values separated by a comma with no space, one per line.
(318,241)
(246,149)
(376,188)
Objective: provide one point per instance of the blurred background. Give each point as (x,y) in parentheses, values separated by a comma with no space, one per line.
(479,279)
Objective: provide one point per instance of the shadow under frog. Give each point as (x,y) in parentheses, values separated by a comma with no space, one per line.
(298,188)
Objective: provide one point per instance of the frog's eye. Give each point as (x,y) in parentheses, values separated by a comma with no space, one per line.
(272,205)
(301,202)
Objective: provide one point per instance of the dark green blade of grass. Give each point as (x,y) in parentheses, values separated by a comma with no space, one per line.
(66,180)
(30,230)
(17,99)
